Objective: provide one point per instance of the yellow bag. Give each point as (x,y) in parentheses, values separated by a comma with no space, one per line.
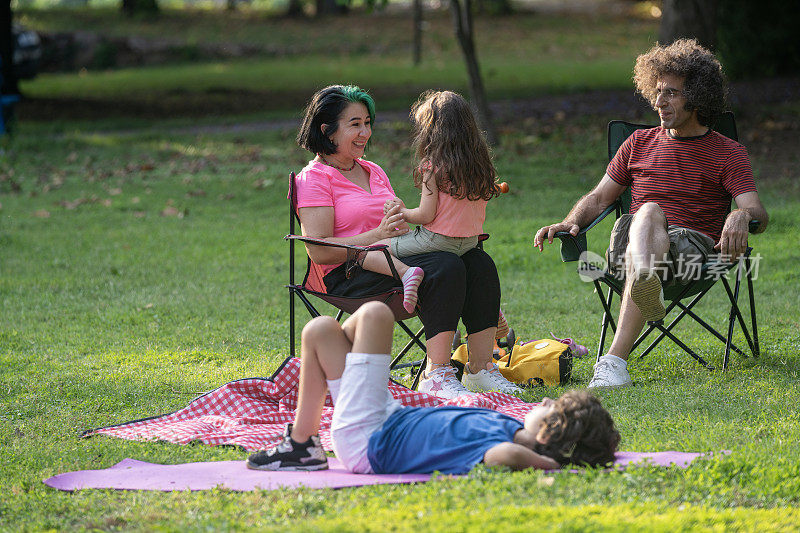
(542,362)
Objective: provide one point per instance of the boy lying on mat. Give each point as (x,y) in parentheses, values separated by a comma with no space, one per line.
(373,433)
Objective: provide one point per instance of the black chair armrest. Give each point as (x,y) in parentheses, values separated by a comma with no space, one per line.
(323,242)
(573,246)
(353,252)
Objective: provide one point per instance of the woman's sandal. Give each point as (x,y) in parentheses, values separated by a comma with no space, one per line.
(578,350)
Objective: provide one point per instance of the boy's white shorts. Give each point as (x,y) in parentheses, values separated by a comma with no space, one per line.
(362,403)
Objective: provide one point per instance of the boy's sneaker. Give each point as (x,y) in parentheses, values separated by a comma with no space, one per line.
(442,383)
(610,372)
(648,296)
(488,380)
(290,455)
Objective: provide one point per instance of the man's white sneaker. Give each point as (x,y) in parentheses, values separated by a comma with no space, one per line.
(610,372)
(442,383)
(488,380)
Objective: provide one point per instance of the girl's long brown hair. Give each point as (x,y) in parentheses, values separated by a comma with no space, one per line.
(449,145)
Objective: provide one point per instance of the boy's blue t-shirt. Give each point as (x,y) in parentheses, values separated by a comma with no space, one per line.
(448,439)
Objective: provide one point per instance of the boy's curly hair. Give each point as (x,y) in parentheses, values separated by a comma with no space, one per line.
(705,87)
(450,145)
(579,430)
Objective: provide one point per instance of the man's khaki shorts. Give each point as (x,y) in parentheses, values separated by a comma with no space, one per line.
(688,250)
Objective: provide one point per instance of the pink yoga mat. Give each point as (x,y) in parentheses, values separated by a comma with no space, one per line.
(130,474)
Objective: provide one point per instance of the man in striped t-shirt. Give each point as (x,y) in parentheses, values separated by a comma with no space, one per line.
(682,177)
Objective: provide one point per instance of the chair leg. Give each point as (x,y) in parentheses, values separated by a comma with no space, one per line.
(686,310)
(419,373)
(733,314)
(291,322)
(686,349)
(755,348)
(415,340)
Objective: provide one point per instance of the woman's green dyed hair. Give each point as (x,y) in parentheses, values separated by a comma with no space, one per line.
(325,108)
(358,95)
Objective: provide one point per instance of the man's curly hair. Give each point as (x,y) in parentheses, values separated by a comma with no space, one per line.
(579,430)
(705,87)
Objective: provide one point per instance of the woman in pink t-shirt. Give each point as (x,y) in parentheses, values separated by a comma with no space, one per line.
(341,198)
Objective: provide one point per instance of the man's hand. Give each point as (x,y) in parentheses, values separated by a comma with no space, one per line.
(549,231)
(733,241)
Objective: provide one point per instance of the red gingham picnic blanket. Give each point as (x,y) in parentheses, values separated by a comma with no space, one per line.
(252,413)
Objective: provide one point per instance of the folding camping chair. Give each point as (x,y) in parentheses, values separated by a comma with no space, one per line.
(573,248)
(314,285)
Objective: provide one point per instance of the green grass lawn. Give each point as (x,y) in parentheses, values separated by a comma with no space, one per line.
(141,269)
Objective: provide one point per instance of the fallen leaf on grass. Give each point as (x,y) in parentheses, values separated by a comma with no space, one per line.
(546,481)
(116,191)
(106,202)
(41,213)
(171,211)
(262,183)
(140,214)
(195,193)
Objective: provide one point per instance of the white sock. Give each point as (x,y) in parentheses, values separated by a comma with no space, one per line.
(333,388)
(405,276)
(616,359)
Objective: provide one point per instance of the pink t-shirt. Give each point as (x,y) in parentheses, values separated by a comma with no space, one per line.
(355,210)
(458,218)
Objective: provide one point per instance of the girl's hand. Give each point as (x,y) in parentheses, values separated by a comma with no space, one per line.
(389,204)
(392,224)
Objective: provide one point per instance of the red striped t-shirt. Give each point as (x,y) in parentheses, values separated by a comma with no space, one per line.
(692,179)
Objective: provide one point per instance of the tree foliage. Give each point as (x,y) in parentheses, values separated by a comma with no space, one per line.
(757,39)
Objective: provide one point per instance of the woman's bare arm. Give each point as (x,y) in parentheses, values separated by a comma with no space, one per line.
(317,222)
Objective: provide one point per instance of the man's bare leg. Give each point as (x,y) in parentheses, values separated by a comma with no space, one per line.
(648,243)
(648,240)
(324,347)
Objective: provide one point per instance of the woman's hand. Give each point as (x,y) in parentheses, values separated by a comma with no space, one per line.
(392,224)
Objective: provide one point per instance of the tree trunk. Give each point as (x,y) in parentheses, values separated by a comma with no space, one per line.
(417,32)
(462,21)
(295,9)
(7,50)
(689,18)
(139,7)
(330,7)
